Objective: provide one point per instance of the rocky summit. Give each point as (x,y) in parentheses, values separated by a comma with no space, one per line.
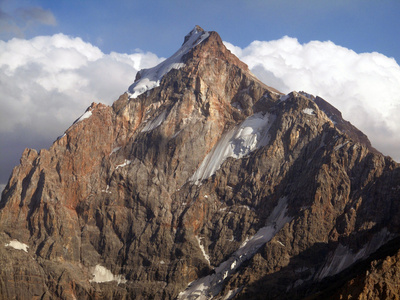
(202,182)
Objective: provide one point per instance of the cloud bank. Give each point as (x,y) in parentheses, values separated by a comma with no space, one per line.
(364,87)
(48,81)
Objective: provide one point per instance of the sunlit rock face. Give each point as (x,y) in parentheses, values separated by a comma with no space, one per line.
(200,181)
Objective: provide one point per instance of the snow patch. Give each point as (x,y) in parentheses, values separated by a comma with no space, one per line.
(309,111)
(106,190)
(126,162)
(237,143)
(86,115)
(209,286)
(17,245)
(232,293)
(237,106)
(202,249)
(246,207)
(307,95)
(280,243)
(61,136)
(244,243)
(102,274)
(150,78)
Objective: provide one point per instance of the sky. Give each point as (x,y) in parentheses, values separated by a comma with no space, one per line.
(57,57)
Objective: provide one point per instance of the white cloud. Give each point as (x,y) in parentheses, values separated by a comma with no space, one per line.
(54,78)
(364,87)
(48,81)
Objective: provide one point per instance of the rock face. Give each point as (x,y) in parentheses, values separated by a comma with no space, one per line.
(202,174)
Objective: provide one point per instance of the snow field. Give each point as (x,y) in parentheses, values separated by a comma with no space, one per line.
(237,143)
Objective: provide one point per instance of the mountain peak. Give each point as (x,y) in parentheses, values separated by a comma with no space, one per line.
(195,31)
(198,45)
(148,79)
(209,185)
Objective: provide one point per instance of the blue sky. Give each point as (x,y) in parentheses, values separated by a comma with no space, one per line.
(158,26)
(56,57)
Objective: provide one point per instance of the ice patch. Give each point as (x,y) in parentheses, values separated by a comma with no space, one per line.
(17,245)
(150,78)
(309,111)
(176,134)
(343,257)
(155,122)
(237,143)
(101,274)
(114,150)
(284,97)
(209,286)
(340,146)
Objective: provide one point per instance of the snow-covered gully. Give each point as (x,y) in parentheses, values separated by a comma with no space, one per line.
(209,286)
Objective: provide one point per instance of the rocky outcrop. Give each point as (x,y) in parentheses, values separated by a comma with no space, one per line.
(202,174)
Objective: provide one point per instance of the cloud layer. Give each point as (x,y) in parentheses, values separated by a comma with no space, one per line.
(364,87)
(48,81)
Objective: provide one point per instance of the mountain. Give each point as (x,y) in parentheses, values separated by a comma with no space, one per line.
(202,182)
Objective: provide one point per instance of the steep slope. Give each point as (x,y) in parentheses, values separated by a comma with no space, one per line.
(199,173)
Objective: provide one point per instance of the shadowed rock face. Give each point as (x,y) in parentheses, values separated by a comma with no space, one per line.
(209,177)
